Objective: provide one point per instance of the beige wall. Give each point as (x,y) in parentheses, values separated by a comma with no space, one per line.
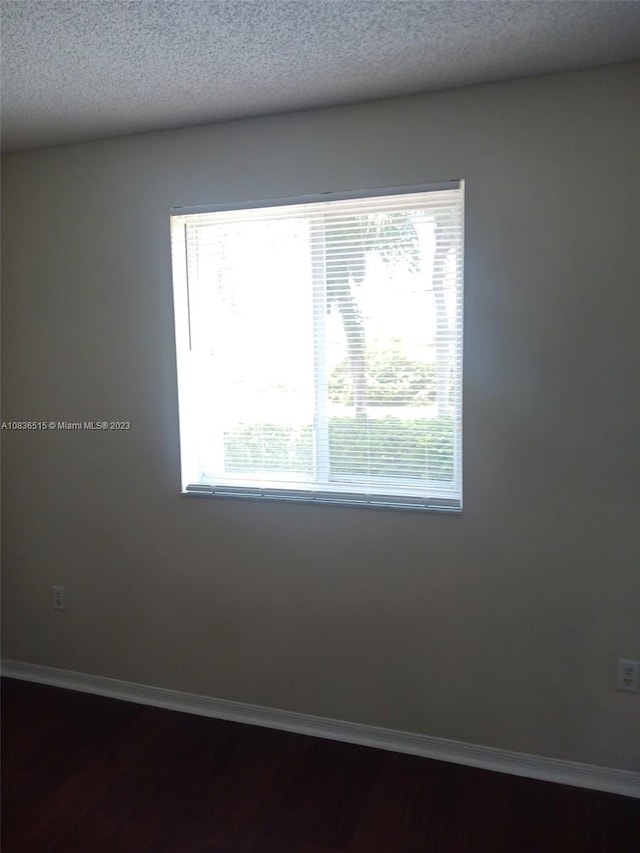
(498,627)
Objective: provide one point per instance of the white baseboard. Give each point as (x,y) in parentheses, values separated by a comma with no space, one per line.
(499,760)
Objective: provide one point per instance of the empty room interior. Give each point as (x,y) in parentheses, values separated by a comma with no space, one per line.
(320,426)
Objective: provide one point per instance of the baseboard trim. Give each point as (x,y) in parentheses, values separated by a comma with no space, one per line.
(590,776)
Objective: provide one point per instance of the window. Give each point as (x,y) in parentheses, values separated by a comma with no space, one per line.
(319,348)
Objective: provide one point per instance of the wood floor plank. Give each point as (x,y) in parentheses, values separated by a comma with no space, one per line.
(230,814)
(86,774)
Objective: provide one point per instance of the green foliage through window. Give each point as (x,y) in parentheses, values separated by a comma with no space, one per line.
(384,447)
(392,380)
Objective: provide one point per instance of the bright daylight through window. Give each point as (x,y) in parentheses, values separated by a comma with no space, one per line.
(319,348)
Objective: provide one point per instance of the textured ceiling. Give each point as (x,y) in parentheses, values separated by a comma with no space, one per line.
(76,70)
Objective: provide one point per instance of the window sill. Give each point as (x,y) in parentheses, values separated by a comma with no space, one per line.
(362,502)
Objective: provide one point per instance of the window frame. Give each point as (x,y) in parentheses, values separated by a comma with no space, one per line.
(413,498)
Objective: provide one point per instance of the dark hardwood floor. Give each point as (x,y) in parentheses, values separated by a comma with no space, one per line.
(93,775)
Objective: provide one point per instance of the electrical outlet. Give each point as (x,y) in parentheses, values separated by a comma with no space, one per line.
(628,675)
(59,601)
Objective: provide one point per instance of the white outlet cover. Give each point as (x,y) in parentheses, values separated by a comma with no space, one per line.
(58,599)
(628,675)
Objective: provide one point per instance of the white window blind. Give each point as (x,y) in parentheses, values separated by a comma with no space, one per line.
(320,348)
